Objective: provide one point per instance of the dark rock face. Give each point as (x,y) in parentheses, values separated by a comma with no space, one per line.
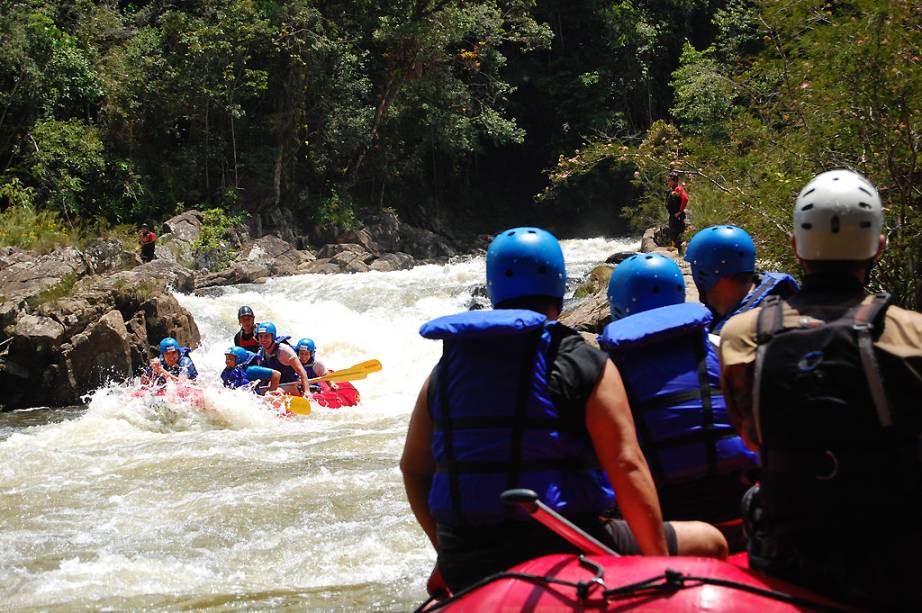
(65,331)
(386,233)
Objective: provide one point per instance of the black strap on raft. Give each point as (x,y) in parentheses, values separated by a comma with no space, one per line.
(668,581)
(526,377)
(707,434)
(454,486)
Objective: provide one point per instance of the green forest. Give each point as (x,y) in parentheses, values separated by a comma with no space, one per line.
(457,114)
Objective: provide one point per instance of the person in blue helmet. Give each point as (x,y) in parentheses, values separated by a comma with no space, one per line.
(672,376)
(307,354)
(240,370)
(520,401)
(276,353)
(174,364)
(723,265)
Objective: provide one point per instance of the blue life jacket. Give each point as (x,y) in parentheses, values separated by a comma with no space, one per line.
(496,427)
(289,374)
(234,377)
(672,375)
(184,366)
(312,374)
(770,284)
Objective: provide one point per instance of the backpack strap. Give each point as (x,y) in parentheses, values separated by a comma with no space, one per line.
(863,318)
(769,322)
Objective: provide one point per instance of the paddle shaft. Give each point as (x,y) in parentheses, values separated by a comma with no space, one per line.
(528,500)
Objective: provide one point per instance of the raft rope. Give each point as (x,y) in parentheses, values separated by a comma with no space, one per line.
(669,581)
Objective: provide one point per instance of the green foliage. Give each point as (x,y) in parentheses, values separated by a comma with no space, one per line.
(335,210)
(23,227)
(703,95)
(61,289)
(211,249)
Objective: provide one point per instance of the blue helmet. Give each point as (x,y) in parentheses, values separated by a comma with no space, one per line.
(307,343)
(720,251)
(525,262)
(168,344)
(241,355)
(267,326)
(643,282)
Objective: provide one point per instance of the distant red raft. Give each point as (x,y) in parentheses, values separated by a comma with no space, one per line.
(345,396)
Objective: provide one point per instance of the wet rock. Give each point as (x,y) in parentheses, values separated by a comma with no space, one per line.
(617,258)
(591,314)
(350,261)
(96,356)
(596,280)
(65,335)
(321,266)
(390,262)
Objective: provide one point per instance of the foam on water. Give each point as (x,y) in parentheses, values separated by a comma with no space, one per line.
(150,502)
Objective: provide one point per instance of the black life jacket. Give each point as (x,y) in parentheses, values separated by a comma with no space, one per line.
(247,341)
(837,445)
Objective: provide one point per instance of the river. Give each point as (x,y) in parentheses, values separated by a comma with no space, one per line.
(129,503)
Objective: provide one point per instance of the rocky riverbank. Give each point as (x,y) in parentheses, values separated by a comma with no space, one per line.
(73,319)
(591,314)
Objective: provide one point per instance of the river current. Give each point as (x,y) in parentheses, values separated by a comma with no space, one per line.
(138,503)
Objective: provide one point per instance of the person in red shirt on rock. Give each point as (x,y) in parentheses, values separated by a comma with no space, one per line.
(676,201)
(148,242)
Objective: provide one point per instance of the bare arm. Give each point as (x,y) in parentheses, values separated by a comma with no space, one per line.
(611,426)
(418,465)
(736,381)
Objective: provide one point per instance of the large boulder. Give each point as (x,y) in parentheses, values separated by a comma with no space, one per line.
(280,257)
(64,337)
(390,262)
(591,314)
(173,274)
(179,236)
(386,233)
(109,255)
(96,356)
(24,274)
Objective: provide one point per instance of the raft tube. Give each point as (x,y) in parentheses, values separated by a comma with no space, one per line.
(345,396)
(635,583)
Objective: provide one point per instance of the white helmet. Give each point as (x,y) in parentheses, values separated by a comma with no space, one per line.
(838,216)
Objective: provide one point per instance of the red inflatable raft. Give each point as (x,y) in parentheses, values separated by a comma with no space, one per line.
(345,396)
(605,583)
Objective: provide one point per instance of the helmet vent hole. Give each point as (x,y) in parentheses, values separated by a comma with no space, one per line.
(806,226)
(808,192)
(511,233)
(649,257)
(864,205)
(508,272)
(834,224)
(836,178)
(865,224)
(655,289)
(532,232)
(806,207)
(542,269)
(862,188)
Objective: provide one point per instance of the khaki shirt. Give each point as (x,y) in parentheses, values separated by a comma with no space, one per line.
(901,337)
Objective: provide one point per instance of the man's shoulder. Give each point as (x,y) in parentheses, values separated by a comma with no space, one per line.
(902,333)
(738,338)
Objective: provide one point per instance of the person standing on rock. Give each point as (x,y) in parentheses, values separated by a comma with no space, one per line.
(174,364)
(148,241)
(520,400)
(723,264)
(676,201)
(246,336)
(826,386)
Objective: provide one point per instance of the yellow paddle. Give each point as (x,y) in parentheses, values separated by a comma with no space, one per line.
(302,406)
(353,373)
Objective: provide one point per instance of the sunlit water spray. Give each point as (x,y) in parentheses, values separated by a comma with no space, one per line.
(150,502)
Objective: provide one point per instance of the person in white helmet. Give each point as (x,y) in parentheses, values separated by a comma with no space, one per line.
(826,386)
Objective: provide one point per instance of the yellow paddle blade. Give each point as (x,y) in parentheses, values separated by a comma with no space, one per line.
(353,373)
(299,405)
